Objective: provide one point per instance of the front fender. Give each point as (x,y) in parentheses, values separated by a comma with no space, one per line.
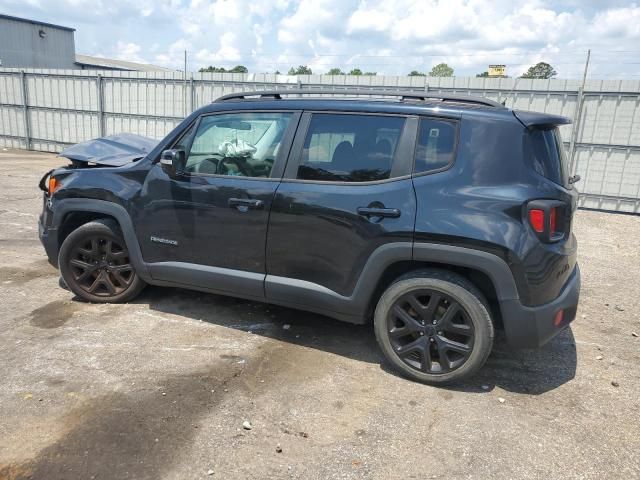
(62,208)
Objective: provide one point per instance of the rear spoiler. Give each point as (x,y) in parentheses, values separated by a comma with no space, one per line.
(540,120)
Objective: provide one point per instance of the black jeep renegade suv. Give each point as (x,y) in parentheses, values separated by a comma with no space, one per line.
(441,218)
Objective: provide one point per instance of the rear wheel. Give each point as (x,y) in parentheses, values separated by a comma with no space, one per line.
(94,263)
(434,326)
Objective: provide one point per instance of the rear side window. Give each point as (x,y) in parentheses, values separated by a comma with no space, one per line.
(350,148)
(546,154)
(436,145)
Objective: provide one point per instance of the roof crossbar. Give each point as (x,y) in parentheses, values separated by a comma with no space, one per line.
(404,95)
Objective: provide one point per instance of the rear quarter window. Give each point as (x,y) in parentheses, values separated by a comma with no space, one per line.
(546,155)
(436,145)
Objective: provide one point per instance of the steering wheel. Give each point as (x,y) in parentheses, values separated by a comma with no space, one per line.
(240,162)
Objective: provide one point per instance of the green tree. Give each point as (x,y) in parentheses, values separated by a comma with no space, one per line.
(301,70)
(370,74)
(441,70)
(236,69)
(213,69)
(540,70)
(482,75)
(335,71)
(355,71)
(415,73)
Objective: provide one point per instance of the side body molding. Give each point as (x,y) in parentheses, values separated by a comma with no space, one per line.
(310,296)
(221,281)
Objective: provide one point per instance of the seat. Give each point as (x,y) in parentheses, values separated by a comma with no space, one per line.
(342,157)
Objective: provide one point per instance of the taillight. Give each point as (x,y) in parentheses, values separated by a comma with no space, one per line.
(547,219)
(536,217)
(553,216)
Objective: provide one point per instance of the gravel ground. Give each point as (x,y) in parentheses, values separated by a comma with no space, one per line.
(160,388)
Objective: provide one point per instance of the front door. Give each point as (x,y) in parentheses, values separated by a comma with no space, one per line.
(207,226)
(346,192)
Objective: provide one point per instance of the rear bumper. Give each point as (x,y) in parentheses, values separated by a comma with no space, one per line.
(49,239)
(532,327)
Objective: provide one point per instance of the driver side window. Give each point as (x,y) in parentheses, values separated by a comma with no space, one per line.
(237,144)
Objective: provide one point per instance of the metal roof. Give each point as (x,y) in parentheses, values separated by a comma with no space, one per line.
(36,22)
(98,63)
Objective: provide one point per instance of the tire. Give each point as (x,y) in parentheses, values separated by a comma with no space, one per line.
(447,347)
(95,265)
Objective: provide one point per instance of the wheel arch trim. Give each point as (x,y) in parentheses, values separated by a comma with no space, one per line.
(491,265)
(69,205)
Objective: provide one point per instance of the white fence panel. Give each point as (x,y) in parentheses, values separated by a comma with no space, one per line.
(10,89)
(12,122)
(161,98)
(147,127)
(64,107)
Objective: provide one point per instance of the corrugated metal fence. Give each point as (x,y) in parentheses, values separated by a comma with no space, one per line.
(51,109)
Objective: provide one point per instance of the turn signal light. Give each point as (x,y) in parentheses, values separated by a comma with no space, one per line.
(53,185)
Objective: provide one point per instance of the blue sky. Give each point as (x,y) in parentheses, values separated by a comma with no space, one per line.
(389,37)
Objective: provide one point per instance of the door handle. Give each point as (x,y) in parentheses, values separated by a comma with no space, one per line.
(243,204)
(378,212)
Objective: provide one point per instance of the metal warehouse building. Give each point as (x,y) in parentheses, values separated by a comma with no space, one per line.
(31,44)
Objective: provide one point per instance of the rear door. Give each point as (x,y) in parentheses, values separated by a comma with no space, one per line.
(346,191)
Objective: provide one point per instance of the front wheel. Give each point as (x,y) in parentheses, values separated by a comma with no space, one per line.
(94,263)
(434,326)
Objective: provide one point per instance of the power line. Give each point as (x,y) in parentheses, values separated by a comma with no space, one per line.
(492,53)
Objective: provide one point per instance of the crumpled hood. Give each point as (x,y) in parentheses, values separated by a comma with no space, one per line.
(111,151)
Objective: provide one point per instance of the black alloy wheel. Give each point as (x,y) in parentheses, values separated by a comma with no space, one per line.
(434,326)
(430,331)
(95,264)
(101,267)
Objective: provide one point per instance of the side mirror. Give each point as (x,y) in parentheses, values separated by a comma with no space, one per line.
(173,162)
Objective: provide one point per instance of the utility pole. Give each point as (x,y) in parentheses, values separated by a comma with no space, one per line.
(577,116)
(185,83)
(586,68)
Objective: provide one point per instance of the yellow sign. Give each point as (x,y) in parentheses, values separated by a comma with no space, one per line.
(497,70)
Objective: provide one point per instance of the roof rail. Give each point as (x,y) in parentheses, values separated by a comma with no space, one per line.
(404,95)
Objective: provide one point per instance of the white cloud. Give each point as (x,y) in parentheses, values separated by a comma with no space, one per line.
(227,52)
(367,20)
(128,51)
(174,56)
(387,36)
(618,23)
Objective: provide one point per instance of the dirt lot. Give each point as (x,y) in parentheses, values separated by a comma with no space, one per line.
(160,388)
